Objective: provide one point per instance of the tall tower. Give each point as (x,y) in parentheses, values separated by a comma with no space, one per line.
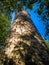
(24,44)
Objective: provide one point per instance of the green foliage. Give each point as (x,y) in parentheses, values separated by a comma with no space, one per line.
(4,26)
(43,12)
(15,5)
(45,4)
(47,43)
(40,11)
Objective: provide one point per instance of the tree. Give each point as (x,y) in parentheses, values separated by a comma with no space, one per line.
(18,5)
(24,45)
(5,18)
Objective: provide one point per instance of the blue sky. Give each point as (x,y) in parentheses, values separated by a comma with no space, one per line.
(36,20)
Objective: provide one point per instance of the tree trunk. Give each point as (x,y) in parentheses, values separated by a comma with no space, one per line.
(24,45)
